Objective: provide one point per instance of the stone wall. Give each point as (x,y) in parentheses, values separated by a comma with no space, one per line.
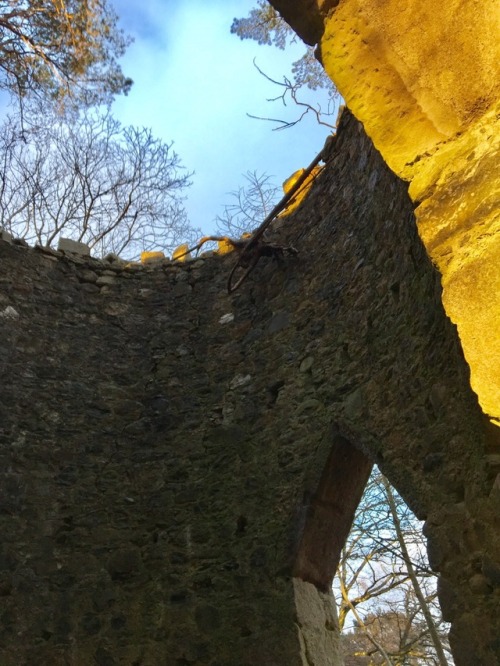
(169,453)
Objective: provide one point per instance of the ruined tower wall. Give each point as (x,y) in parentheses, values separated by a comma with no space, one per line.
(163,444)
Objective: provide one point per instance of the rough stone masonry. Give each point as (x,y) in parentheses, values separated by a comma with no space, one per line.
(174,460)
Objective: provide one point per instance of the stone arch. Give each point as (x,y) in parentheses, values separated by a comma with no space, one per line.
(330,512)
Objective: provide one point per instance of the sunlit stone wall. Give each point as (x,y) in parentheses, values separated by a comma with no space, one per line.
(424,79)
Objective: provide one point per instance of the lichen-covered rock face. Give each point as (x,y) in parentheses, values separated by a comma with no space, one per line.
(415,72)
(165,448)
(424,79)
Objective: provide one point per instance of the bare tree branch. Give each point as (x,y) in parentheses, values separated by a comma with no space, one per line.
(291,91)
(116,189)
(387,587)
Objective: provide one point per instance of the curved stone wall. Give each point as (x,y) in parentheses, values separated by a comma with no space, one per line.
(165,448)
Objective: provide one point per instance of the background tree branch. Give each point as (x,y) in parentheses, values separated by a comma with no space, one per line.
(85,176)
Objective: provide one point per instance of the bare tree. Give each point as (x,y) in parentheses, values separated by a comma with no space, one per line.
(385,590)
(291,92)
(386,638)
(413,568)
(84,176)
(264,25)
(250,205)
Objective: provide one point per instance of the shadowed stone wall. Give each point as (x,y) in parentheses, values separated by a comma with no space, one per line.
(170,455)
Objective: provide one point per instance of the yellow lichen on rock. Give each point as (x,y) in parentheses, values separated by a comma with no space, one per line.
(302,191)
(414,73)
(224,246)
(148,257)
(181,253)
(471,297)
(291,180)
(424,79)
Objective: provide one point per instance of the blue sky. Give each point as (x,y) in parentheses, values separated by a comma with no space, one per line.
(194,83)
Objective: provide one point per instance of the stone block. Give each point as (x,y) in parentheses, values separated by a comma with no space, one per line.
(72,246)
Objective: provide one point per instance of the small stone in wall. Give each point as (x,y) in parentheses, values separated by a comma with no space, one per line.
(207,618)
(279,321)
(240,380)
(181,253)
(227,318)
(306,364)
(9,313)
(112,258)
(311,404)
(105,280)
(495,489)
(74,247)
(88,276)
(5,235)
(124,563)
(151,257)
(479,584)
(354,403)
